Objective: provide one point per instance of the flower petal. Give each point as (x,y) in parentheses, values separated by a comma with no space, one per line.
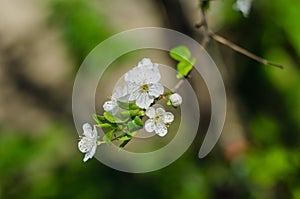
(168,117)
(150,112)
(86,157)
(176,99)
(160,111)
(145,62)
(156,89)
(110,105)
(95,133)
(152,75)
(135,94)
(161,129)
(93,150)
(149,125)
(136,75)
(87,130)
(144,100)
(83,145)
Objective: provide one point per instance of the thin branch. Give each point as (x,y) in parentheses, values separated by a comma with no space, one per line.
(207,34)
(241,50)
(177,86)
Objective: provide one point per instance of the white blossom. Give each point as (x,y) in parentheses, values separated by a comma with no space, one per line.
(112,105)
(244,6)
(88,142)
(158,120)
(176,99)
(143,83)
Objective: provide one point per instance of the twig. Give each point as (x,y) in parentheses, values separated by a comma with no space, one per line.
(204,25)
(207,34)
(177,86)
(241,50)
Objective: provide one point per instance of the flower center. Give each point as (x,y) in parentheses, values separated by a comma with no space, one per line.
(157,118)
(145,88)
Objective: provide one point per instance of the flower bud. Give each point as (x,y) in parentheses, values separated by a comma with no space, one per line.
(175,99)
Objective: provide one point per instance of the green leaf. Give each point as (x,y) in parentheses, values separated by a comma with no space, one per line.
(180,53)
(130,113)
(99,119)
(127,105)
(184,68)
(169,103)
(126,136)
(105,125)
(111,118)
(108,136)
(123,144)
(132,126)
(137,120)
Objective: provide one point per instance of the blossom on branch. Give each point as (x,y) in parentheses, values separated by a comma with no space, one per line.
(158,121)
(119,95)
(176,99)
(88,142)
(143,83)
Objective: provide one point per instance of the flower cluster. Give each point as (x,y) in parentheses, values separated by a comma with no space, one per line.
(128,105)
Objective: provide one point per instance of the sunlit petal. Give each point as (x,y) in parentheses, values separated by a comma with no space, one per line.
(161,129)
(156,89)
(168,117)
(149,125)
(150,112)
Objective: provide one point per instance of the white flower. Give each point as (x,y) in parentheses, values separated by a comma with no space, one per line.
(112,105)
(158,120)
(243,6)
(143,83)
(176,99)
(88,142)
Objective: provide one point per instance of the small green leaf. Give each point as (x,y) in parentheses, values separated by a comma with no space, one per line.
(132,126)
(111,118)
(108,136)
(127,105)
(130,113)
(126,136)
(142,113)
(99,119)
(169,103)
(123,144)
(184,68)
(105,125)
(180,53)
(137,120)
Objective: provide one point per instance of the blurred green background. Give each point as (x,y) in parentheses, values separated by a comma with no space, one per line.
(42,44)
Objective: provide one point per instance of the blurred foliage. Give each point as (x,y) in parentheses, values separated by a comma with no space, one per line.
(50,166)
(83,25)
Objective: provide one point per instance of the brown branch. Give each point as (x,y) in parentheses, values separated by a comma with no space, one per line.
(207,34)
(177,86)
(241,50)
